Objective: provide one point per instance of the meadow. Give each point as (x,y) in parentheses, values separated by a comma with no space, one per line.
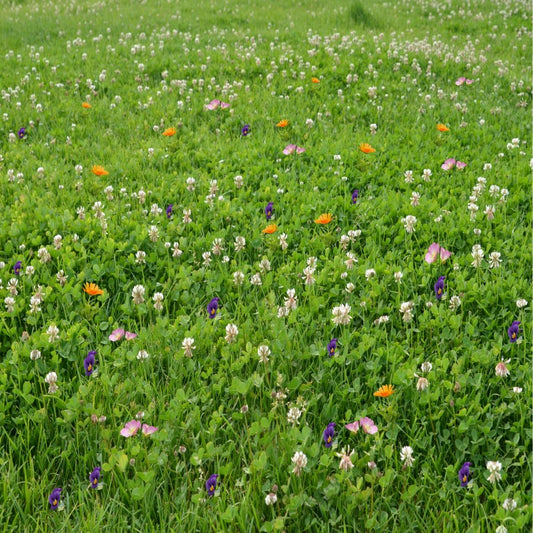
(265,266)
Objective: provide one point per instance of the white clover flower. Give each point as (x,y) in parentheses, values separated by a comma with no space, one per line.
(341,314)
(422,383)
(494,467)
(521,303)
(500,529)
(346,459)
(263,352)
(140,257)
(509,504)
(158,301)
(188,346)
(291,301)
(299,459)
(153,233)
(231,333)
(35,354)
(53,333)
(494,260)
(142,355)
(406,309)
(293,416)
(240,243)
(409,223)
(256,279)
(138,294)
(271,498)
(370,273)
(176,252)
(406,455)
(426,367)
(283,241)
(238,278)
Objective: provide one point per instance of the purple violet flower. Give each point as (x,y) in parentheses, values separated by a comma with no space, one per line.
(328,434)
(245,130)
(269,210)
(169,210)
(439,287)
(332,346)
(54,499)
(355,196)
(211,484)
(464,474)
(21,133)
(89,362)
(17,268)
(94,477)
(212,307)
(514,331)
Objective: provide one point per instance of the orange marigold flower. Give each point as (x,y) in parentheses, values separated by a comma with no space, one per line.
(384,391)
(324,218)
(366,148)
(271,228)
(282,123)
(442,127)
(315,80)
(92,289)
(99,170)
(86,105)
(169,132)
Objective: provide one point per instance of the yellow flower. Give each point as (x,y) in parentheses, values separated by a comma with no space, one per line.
(366,148)
(271,228)
(282,123)
(315,80)
(99,170)
(324,218)
(169,132)
(442,127)
(92,289)
(384,391)
(86,105)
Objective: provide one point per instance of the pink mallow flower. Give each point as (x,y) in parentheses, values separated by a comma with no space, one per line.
(434,251)
(448,164)
(215,104)
(148,430)
(462,80)
(118,333)
(131,428)
(460,165)
(365,423)
(291,148)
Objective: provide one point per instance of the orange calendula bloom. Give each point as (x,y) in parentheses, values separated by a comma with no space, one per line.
(366,148)
(315,80)
(86,105)
(384,391)
(169,132)
(271,228)
(92,289)
(99,170)
(324,218)
(442,127)
(282,123)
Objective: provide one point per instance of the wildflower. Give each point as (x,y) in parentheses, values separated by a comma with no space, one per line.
(500,529)
(137,294)
(299,459)
(169,132)
(282,123)
(148,430)
(130,429)
(271,498)
(211,484)
(35,354)
(231,333)
(291,300)
(435,250)
(168,210)
(355,196)
(398,277)
(263,352)
(21,133)
(332,346)
(514,331)
(328,434)
(99,170)
(495,260)
(52,332)
(269,210)
(346,459)
(54,499)
(521,303)
(460,165)
(409,223)
(283,241)
(315,80)
(439,287)
(324,218)
(238,277)
(426,366)
(442,127)
(369,274)
(158,301)
(341,314)
(89,362)
(245,130)
(94,477)
(368,425)
(384,391)
(501,369)
(366,148)
(116,334)
(308,275)
(517,390)
(86,105)
(406,455)
(271,228)
(51,380)
(291,148)
(464,474)
(17,268)
(256,279)
(142,355)
(509,504)
(188,346)
(92,289)
(422,383)
(477,254)
(448,164)
(212,307)
(494,467)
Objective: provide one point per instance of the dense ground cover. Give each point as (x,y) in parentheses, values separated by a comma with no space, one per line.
(125,163)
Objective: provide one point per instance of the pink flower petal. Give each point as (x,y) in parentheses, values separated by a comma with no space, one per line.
(460,80)
(448,164)
(460,164)
(469,82)
(432,253)
(368,426)
(289,149)
(130,428)
(444,254)
(116,334)
(224,105)
(213,104)
(148,430)
(353,427)
(130,336)
(300,150)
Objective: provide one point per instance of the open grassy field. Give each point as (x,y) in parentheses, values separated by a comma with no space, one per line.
(265,266)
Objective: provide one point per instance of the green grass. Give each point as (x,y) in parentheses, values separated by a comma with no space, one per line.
(260,58)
